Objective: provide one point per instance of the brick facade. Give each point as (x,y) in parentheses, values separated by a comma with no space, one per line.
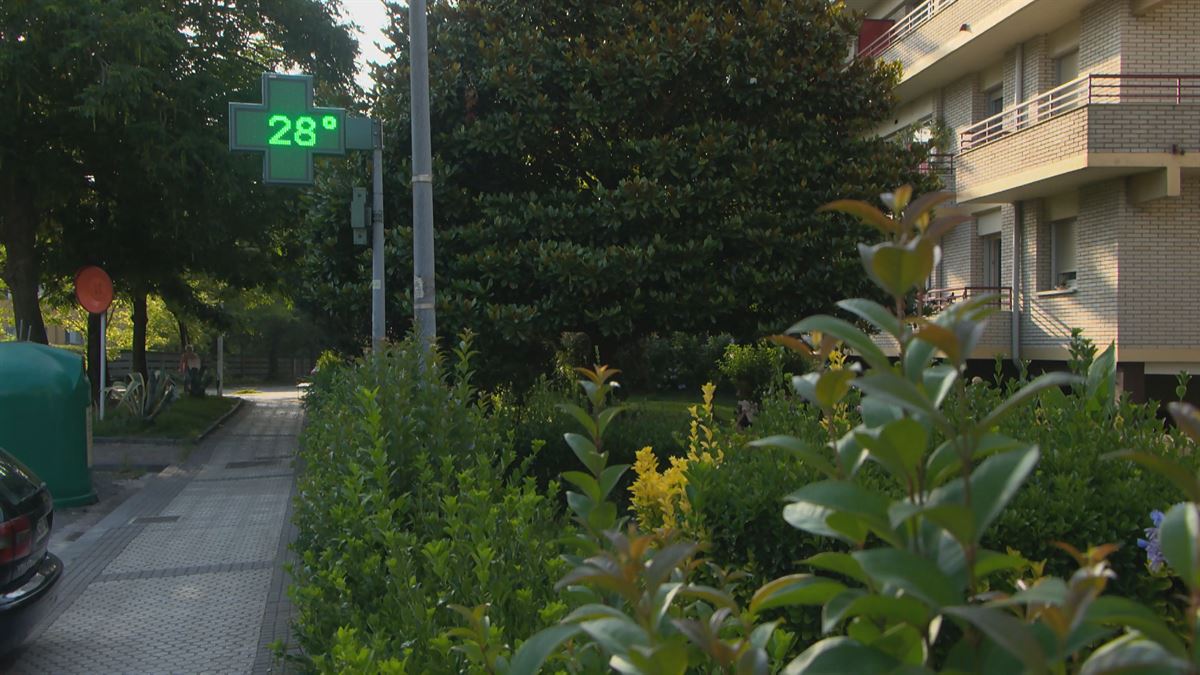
(1135,261)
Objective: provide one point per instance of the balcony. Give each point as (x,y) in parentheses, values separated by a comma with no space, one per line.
(940,165)
(1090,129)
(943,40)
(997,335)
(935,300)
(904,27)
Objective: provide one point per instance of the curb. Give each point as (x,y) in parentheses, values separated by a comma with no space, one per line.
(220,420)
(142,440)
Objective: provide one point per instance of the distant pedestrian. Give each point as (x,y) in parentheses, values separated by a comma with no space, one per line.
(189,361)
(190,366)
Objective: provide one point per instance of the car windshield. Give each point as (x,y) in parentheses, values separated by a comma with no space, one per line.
(17,482)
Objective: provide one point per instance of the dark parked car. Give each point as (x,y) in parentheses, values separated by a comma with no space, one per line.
(28,572)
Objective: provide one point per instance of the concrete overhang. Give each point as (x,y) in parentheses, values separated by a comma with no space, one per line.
(981,41)
(1156,175)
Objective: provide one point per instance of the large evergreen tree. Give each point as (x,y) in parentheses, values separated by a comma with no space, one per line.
(620,168)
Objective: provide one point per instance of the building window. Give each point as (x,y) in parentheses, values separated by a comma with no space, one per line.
(1063,244)
(991,260)
(1066,67)
(995,101)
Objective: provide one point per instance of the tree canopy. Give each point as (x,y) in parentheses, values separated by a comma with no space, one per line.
(621,168)
(115,147)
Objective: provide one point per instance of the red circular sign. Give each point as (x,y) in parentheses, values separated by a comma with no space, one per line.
(93,289)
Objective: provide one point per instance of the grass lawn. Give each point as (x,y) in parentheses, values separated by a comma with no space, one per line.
(723,406)
(186,418)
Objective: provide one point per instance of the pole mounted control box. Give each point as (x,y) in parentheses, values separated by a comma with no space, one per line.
(360,216)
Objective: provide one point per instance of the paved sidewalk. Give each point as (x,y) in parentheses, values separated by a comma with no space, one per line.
(186,576)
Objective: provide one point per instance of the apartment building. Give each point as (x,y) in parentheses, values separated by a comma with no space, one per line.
(1070,129)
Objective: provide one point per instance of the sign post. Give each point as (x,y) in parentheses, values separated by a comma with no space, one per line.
(289,130)
(94,291)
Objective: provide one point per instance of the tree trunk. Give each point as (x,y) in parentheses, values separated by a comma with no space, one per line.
(139,334)
(93,357)
(22,273)
(183,334)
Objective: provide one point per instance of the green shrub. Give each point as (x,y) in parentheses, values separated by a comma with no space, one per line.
(755,369)
(411,500)
(672,362)
(536,419)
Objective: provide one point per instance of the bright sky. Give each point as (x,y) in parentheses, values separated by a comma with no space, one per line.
(371,17)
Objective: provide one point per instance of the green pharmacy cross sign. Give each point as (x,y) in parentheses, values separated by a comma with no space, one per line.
(287,128)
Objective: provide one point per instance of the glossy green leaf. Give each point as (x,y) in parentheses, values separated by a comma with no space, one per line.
(1187,418)
(923,205)
(610,477)
(584,482)
(837,496)
(806,386)
(899,268)
(1025,394)
(916,359)
(832,387)
(840,656)
(666,560)
(845,331)
(616,635)
(585,450)
(938,382)
(850,454)
(890,609)
(993,484)
(795,589)
(606,417)
(804,450)
(897,391)
(1179,537)
(912,573)
(943,338)
(713,596)
(580,415)
(1102,376)
(1006,631)
(841,563)
(1133,654)
(868,214)
(988,563)
(945,463)
(875,314)
(1111,610)
(533,652)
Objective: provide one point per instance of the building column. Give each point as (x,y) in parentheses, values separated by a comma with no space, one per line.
(1131,378)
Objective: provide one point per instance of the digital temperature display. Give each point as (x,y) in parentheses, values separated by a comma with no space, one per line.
(287,128)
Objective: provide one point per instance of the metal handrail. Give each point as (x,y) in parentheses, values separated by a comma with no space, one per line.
(937,163)
(1082,91)
(936,299)
(904,26)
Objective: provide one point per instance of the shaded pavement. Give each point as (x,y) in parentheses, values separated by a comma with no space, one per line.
(185,575)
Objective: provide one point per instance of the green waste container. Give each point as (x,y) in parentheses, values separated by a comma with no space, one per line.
(45,404)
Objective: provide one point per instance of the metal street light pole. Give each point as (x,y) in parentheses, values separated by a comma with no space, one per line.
(422,179)
(378,317)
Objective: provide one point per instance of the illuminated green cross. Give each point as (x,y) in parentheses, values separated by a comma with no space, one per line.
(287,129)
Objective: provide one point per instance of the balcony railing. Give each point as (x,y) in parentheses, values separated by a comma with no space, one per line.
(937,299)
(1086,90)
(940,165)
(905,26)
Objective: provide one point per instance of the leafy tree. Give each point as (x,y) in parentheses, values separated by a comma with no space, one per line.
(116,154)
(620,168)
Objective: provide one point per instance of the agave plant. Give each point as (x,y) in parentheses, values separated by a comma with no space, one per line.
(144,398)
